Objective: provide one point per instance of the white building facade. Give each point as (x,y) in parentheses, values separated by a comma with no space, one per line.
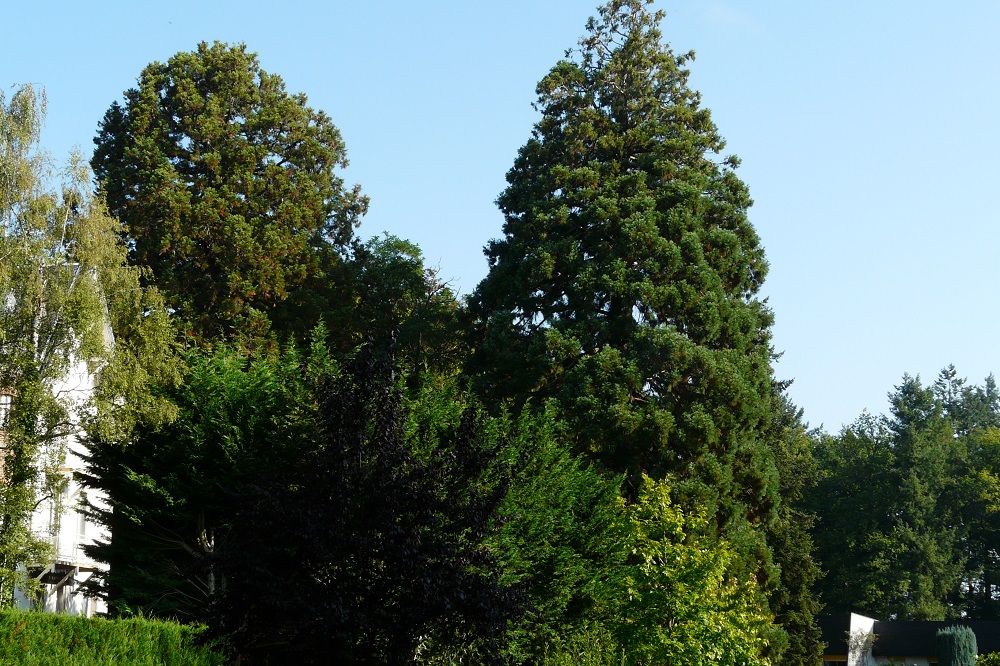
(62,520)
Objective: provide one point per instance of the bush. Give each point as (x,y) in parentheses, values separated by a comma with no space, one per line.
(593,646)
(989,659)
(39,639)
(956,646)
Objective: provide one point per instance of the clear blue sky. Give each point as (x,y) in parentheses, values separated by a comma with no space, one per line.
(867,130)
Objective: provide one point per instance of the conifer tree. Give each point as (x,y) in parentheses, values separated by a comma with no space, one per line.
(956,646)
(624,288)
(229,190)
(794,601)
(369,548)
(173,488)
(890,502)
(625,284)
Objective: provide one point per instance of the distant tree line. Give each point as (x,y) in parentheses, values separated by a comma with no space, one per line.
(905,504)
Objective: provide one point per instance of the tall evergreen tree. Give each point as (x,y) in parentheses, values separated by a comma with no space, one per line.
(625,285)
(974,412)
(228,189)
(980,596)
(853,502)
(930,464)
(969,408)
(794,601)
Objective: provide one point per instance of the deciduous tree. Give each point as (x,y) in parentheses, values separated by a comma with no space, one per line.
(683,606)
(396,299)
(72,311)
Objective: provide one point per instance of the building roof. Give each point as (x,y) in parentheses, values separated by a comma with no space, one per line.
(833,631)
(906,638)
(914,638)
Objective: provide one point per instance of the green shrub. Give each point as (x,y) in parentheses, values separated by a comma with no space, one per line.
(39,639)
(956,646)
(989,659)
(593,646)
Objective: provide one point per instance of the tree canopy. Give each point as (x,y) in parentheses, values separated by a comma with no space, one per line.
(624,288)
(174,487)
(904,506)
(227,186)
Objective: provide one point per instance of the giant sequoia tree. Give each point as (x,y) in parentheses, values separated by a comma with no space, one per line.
(625,284)
(228,188)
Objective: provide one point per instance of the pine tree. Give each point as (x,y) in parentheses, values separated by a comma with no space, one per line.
(930,464)
(893,505)
(854,504)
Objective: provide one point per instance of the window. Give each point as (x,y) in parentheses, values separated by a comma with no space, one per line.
(82,515)
(6,402)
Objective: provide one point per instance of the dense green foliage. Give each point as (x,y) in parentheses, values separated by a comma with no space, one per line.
(623,294)
(906,505)
(988,659)
(629,485)
(956,646)
(563,540)
(172,486)
(625,284)
(392,297)
(227,188)
(592,647)
(684,607)
(793,600)
(41,639)
(369,547)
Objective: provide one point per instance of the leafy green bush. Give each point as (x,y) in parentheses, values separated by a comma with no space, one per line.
(956,646)
(589,647)
(40,639)
(989,659)
(683,607)
(562,541)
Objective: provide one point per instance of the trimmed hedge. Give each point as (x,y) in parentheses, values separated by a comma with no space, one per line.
(956,646)
(39,639)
